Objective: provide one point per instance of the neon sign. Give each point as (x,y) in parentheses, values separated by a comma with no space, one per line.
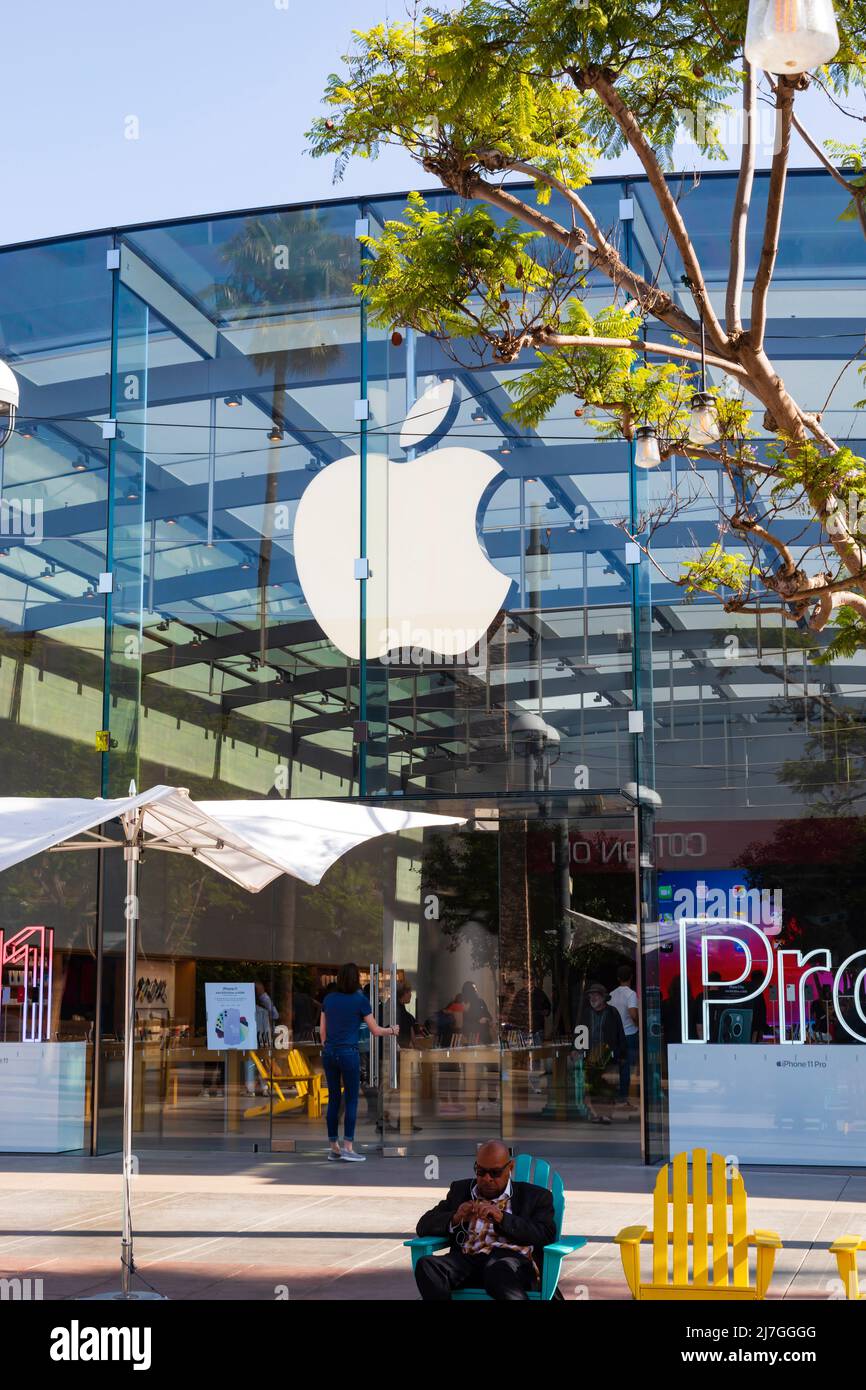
(27,968)
(780,965)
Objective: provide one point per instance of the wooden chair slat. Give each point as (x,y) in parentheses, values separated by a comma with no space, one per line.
(700,1252)
(660,1227)
(740,1233)
(541,1177)
(557,1187)
(521,1168)
(680,1199)
(720,1222)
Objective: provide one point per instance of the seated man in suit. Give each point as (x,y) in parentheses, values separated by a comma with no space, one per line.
(498,1229)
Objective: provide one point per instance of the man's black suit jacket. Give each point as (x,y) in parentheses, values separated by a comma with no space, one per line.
(530,1222)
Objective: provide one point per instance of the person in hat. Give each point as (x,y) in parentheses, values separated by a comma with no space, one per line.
(605,1044)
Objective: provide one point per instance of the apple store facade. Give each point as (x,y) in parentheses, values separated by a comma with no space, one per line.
(254,546)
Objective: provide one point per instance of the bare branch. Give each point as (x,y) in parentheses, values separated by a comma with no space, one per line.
(653,301)
(628,124)
(742,203)
(840,598)
(858,195)
(638,344)
(775,205)
(754,528)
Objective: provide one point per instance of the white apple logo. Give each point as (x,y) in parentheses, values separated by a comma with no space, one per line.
(430,585)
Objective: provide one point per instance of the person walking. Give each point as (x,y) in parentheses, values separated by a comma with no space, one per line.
(344,1009)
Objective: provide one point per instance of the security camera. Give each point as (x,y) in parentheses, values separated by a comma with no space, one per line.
(8,402)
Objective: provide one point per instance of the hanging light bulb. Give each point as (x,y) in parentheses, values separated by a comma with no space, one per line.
(790,36)
(704,424)
(646,454)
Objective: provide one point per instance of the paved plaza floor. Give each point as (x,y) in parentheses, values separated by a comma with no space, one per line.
(235,1227)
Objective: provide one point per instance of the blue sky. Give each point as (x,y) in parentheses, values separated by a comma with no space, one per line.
(222,91)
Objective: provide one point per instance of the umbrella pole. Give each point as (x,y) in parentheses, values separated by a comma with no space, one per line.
(132,830)
(132,856)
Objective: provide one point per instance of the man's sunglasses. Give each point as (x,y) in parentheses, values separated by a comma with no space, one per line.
(492,1172)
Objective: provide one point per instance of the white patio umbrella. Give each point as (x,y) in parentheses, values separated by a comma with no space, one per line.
(249,842)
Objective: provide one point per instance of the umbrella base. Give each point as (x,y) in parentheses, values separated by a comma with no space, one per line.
(119,1297)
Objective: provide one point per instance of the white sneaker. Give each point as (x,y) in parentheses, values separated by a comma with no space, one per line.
(350,1156)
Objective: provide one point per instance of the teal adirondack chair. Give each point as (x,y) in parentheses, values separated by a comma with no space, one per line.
(542,1176)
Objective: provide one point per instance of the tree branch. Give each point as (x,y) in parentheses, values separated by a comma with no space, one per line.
(775,206)
(652,301)
(829,601)
(857,194)
(638,344)
(630,128)
(740,220)
(753,528)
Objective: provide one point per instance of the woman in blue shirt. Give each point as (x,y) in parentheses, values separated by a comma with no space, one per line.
(344,1009)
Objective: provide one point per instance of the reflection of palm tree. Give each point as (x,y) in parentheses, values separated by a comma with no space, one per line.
(831,775)
(266,259)
(343,914)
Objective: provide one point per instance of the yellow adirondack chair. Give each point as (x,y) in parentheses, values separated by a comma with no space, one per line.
(309,1087)
(717,1234)
(845,1249)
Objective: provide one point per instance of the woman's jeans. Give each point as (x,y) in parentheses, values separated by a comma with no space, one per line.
(342,1070)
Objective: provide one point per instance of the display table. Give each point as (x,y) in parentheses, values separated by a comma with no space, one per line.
(419,1067)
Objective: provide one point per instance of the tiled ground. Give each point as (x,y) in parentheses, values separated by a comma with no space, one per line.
(230,1227)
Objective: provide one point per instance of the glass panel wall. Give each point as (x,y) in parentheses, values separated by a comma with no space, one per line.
(252,371)
(55,332)
(225,655)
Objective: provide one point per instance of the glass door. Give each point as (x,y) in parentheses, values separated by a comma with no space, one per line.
(441,1088)
(569,981)
(505,950)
